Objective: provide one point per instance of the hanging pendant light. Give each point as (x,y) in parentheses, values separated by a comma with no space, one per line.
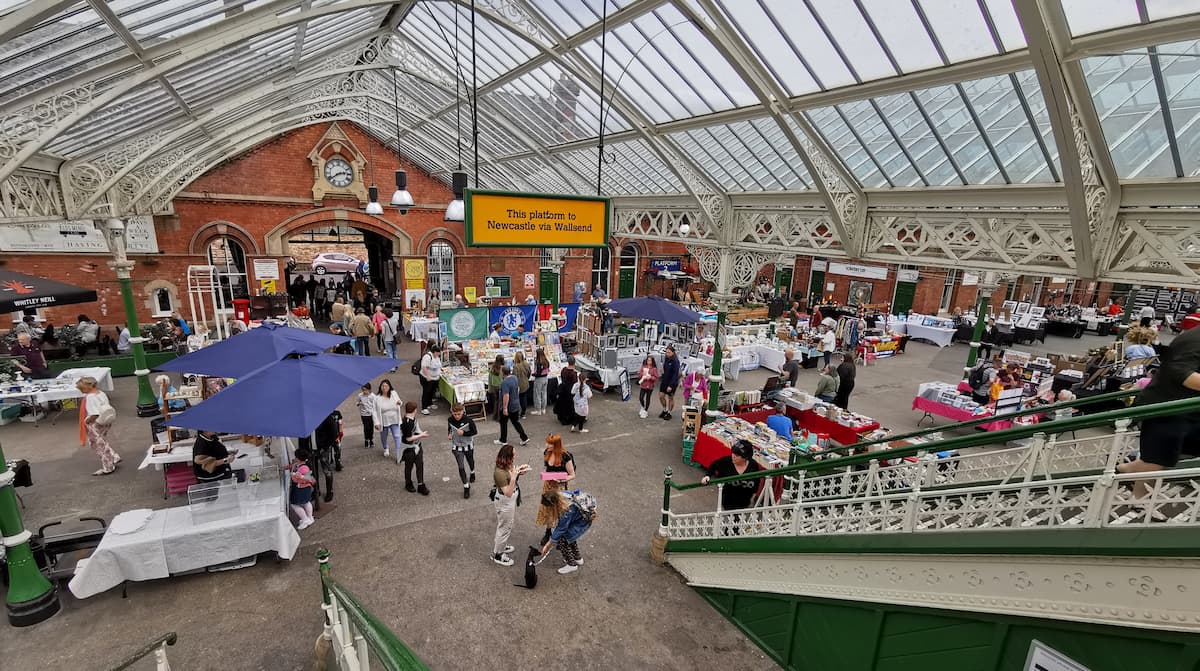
(456,210)
(401,198)
(373,206)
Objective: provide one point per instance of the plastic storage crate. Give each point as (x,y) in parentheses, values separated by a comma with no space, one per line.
(688,445)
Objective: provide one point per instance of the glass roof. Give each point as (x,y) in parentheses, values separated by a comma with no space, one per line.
(727,90)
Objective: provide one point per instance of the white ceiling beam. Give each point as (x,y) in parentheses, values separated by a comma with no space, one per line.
(26,17)
(1176,29)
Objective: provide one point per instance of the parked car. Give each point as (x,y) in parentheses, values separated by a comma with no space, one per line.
(334,262)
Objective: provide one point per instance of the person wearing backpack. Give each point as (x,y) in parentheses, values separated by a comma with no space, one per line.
(388,333)
(578,511)
(431,375)
(981,379)
(96,416)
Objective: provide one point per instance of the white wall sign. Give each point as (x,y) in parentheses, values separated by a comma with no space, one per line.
(266,269)
(818,265)
(852,270)
(529,280)
(73,237)
(907,275)
(970,279)
(1058,280)
(1044,658)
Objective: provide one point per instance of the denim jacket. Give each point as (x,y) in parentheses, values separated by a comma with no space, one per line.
(571,525)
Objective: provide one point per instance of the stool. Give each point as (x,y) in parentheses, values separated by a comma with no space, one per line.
(177,478)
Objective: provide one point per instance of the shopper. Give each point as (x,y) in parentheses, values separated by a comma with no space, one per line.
(791,367)
(576,512)
(413,455)
(668,382)
(647,377)
(845,374)
(495,377)
(510,407)
(1139,342)
(1147,315)
(581,395)
(736,495)
(564,406)
(300,494)
(980,380)
(431,376)
(362,329)
(827,384)
(386,415)
(541,380)
(377,319)
(461,431)
(337,311)
(505,478)
(828,343)
(96,416)
(388,333)
(561,464)
(523,372)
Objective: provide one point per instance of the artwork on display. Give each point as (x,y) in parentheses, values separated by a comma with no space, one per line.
(414,294)
(860,292)
(1037,312)
(1022,308)
(1011,306)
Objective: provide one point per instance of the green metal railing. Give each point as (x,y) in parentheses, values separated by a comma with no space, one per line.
(1058,426)
(377,640)
(155,646)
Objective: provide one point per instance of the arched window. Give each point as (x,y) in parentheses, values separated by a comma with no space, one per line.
(601,260)
(441,271)
(162,302)
(227,255)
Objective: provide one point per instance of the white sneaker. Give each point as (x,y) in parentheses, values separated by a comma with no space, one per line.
(498,442)
(567,569)
(579,562)
(305,524)
(502,559)
(508,549)
(583,430)
(425,411)
(642,414)
(386,453)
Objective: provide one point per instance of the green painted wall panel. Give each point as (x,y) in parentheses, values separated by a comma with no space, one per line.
(831,635)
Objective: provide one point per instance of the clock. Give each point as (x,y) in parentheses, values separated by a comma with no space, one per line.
(338,172)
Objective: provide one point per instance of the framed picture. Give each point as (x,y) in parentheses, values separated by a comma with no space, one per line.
(1010,306)
(1037,312)
(1022,308)
(860,292)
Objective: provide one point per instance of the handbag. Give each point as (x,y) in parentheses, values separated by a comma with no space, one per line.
(106,416)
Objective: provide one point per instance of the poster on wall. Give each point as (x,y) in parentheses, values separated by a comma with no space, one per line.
(414,297)
(469,295)
(529,280)
(414,273)
(860,292)
(970,279)
(266,269)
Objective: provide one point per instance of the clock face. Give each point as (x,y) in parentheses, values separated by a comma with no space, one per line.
(338,172)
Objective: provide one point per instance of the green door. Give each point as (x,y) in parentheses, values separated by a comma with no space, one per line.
(816,288)
(783,283)
(548,286)
(903,300)
(625,281)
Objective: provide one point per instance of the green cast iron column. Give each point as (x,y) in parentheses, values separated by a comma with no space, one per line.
(31,598)
(987,285)
(715,375)
(147,405)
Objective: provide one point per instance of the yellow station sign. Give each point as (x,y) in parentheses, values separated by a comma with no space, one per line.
(507,219)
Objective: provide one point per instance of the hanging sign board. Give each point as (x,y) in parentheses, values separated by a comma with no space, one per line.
(1044,658)
(82,235)
(907,275)
(139,235)
(852,270)
(508,219)
(819,265)
(665,265)
(414,273)
(266,269)
(266,286)
(970,279)
(529,281)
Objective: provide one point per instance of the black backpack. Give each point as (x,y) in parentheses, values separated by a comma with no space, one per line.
(978,375)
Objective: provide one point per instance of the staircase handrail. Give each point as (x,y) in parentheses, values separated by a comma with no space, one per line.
(1058,426)
(389,649)
(972,423)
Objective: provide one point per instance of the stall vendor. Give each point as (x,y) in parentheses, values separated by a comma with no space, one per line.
(210,458)
(31,351)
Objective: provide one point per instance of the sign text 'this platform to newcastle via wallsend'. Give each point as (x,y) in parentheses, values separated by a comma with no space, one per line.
(506,219)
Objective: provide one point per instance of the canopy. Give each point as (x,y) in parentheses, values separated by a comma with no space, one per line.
(249,351)
(19,292)
(286,398)
(654,308)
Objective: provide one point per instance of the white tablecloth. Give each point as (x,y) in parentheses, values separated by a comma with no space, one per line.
(937,335)
(103,376)
(770,358)
(422,328)
(611,377)
(178,540)
(898,327)
(181,453)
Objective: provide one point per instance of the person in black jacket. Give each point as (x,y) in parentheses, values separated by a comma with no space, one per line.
(461,431)
(845,373)
(411,435)
(668,382)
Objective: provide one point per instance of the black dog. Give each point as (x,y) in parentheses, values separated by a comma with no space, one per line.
(535,557)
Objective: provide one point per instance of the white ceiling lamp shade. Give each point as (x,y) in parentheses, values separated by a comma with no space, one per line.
(402,198)
(456,210)
(373,206)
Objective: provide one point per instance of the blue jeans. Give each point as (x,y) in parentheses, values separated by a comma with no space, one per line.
(362,345)
(390,349)
(394,430)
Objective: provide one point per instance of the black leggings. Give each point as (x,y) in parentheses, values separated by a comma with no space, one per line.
(428,390)
(412,457)
(368,423)
(466,464)
(644,396)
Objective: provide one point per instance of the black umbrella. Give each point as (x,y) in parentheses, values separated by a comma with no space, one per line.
(21,292)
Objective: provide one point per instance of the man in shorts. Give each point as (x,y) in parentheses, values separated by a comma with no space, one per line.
(668,382)
(1165,439)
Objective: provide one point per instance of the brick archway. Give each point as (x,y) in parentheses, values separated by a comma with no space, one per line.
(203,236)
(276,239)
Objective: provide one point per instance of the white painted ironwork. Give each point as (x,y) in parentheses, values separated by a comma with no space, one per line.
(28,194)
(349,649)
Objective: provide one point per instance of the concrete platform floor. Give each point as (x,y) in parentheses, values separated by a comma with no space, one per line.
(421,564)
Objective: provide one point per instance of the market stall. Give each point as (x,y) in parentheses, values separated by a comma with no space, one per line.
(40,392)
(716,439)
(935,330)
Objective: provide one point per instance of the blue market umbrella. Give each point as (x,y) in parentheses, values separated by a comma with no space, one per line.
(285,398)
(249,351)
(653,308)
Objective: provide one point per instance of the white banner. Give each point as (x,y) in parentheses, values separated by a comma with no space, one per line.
(970,279)
(907,275)
(873,272)
(72,237)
